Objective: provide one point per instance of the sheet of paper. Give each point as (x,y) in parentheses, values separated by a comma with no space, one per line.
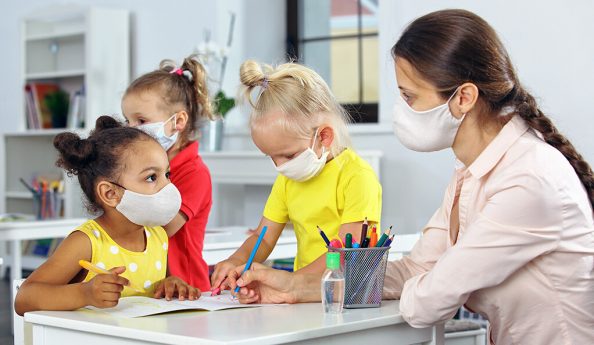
(137,306)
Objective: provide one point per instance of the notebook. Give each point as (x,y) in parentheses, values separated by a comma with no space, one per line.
(138,306)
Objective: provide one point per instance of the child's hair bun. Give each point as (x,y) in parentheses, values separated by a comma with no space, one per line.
(75,153)
(106,122)
(167,65)
(251,74)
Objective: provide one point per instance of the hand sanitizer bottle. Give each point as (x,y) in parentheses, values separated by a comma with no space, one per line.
(333,285)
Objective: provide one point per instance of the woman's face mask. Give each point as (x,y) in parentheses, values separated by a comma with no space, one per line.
(157,131)
(306,165)
(425,131)
(150,209)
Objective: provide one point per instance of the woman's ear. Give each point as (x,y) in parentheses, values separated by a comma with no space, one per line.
(464,100)
(108,194)
(181,121)
(326,134)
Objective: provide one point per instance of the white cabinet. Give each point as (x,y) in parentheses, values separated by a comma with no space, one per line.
(77,48)
(73,47)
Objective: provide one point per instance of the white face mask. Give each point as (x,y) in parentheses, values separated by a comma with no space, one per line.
(157,131)
(306,165)
(425,131)
(150,209)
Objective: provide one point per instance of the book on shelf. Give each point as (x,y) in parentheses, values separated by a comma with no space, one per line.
(38,112)
(32,117)
(76,111)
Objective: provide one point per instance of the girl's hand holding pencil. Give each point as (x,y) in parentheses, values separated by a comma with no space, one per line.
(104,290)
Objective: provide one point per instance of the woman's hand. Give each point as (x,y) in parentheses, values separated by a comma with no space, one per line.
(104,290)
(172,286)
(262,284)
(221,271)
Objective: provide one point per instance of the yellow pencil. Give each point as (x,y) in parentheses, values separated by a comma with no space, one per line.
(98,270)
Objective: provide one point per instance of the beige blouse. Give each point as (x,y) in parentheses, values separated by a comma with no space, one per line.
(523,256)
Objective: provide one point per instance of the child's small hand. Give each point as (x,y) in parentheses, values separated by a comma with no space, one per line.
(104,290)
(173,286)
(222,269)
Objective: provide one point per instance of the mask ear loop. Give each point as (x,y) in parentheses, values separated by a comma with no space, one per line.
(314,143)
(174,116)
(452,97)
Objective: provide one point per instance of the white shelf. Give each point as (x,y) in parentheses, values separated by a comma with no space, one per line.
(19,195)
(56,74)
(55,35)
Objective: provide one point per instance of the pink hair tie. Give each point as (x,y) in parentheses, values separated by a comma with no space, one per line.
(177,71)
(184,73)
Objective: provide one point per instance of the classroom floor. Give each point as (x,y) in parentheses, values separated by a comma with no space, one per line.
(5,313)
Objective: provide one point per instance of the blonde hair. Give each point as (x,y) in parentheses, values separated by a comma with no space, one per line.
(188,88)
(300,94)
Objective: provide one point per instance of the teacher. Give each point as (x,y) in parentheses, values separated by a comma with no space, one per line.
(514,237)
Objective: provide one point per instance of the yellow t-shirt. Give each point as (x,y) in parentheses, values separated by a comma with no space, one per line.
(346,191)
(142,268)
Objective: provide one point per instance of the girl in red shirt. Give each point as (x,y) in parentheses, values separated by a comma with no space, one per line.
(168,103)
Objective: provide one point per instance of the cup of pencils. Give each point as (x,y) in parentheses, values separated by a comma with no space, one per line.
(364,266)
(48,197)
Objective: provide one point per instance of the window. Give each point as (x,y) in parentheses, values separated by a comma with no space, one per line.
(339,40)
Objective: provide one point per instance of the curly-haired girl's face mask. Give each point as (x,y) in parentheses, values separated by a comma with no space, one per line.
(150,209)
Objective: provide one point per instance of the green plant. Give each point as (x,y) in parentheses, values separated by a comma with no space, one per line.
(223,103)
(57,103)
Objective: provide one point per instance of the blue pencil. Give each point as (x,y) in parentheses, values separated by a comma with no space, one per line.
(254,251)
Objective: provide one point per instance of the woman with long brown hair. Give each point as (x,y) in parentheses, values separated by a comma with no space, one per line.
(514,236)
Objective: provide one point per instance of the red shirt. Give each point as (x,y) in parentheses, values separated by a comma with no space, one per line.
(191,176)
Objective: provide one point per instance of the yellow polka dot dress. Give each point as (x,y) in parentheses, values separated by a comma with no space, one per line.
(142,268)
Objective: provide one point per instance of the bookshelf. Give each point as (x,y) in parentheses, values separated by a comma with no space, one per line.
(77,48)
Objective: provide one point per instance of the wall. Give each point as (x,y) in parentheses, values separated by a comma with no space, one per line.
(549,42)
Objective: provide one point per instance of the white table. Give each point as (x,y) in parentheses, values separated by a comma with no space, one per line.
(297,324)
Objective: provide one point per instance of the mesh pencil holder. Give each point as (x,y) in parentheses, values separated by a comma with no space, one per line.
(364,271)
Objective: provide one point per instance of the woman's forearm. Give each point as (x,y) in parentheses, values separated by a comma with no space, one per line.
(307,287)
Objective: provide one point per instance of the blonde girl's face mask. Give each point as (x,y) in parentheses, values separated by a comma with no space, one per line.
(304,166)
(425,131)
